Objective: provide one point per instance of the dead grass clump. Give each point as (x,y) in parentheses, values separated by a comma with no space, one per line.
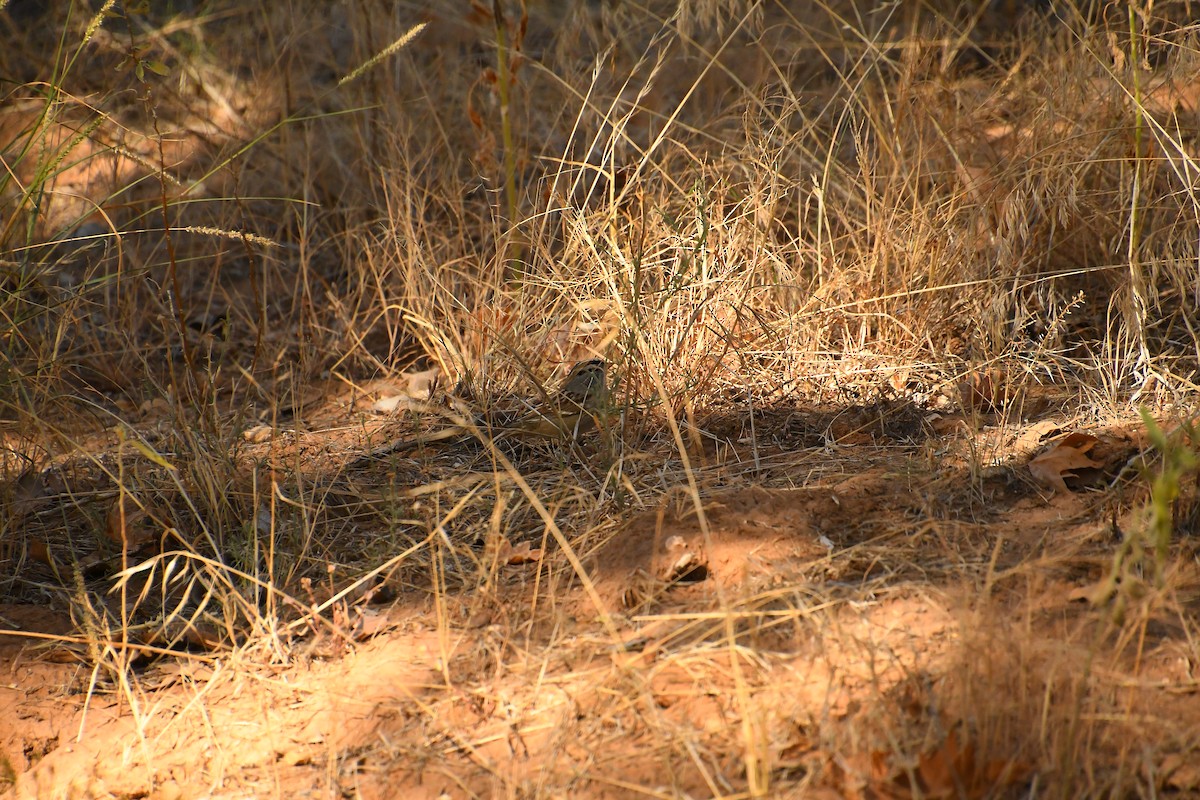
(266,271)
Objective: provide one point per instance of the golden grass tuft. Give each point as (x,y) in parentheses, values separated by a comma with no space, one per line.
(852,265)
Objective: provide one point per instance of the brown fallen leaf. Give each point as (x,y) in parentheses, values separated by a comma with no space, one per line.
(1061,461)
(421,385)
(39,551)
(688,568)
(509,554)
(1179,772)
(257,434)
(370,623)
(955,770)
(481,618)
(952,770)
(200,634)
(985,392)
(863,775)
(1080,441)
(522,553)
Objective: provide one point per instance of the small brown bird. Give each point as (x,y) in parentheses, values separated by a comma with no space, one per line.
(574,408)
(578,406)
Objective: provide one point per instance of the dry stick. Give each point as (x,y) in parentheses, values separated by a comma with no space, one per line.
(147,649)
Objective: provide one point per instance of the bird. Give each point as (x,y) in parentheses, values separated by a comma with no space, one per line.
(578,406)
(574,408)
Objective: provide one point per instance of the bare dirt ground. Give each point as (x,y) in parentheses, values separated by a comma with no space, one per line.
(865,618)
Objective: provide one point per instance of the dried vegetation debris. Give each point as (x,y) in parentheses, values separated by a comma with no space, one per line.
(858,528)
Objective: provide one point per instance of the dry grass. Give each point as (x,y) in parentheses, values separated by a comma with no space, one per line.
(852,266)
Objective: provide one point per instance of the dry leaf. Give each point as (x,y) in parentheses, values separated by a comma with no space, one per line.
(388,403)
(39,551)
(257,434)
(1080,441)
(688,568)
(199,634)
(947,771)
(863,775)
(481,618)
(1061,461)
(954,771)
(1179,772)
(900,380)
(371,623)
(1082,594)
(985,392)
(421,385)
(523,553)
(127,525)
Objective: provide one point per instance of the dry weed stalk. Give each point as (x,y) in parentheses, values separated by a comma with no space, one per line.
(754,212)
